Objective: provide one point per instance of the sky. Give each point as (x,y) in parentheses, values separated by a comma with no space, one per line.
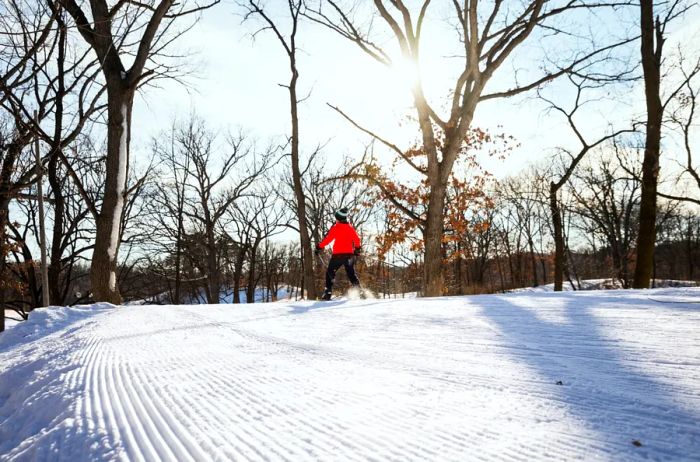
(236,85)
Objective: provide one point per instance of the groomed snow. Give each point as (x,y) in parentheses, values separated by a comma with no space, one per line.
(521,377)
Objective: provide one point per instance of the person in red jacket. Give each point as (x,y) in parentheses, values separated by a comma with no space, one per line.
(346,247)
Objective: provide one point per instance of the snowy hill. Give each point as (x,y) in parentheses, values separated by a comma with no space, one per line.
(532,376)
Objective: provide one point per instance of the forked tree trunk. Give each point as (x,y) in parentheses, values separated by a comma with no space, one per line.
(651,63)
(96,29)
(103,272)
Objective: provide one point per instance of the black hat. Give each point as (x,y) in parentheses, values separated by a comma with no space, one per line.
(342,214)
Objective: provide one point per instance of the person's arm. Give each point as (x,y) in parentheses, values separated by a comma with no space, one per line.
(356,244)
(328,239)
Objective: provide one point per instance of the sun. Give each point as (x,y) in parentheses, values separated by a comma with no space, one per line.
(405,72)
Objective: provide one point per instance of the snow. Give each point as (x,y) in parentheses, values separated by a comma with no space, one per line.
(599,284)
(525,376)
(11,318)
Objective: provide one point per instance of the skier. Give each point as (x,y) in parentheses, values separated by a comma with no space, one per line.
(346,248)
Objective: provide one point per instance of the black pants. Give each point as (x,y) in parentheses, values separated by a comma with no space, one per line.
(343,259)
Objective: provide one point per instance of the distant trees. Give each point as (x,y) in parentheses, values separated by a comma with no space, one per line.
(607,202)
(201,185)
(570,162)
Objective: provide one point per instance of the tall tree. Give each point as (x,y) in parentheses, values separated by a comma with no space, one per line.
(488,34)
(653,37)
(127,31)
(651,50)
(289,43)
(569,164)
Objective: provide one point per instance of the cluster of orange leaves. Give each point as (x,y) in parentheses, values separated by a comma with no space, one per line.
(466,198)
(7,280)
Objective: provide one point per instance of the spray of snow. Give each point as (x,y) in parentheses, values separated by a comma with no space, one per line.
(359,293)
(121,184)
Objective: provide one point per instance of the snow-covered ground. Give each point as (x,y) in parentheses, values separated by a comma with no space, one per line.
(530,376)
(604,284)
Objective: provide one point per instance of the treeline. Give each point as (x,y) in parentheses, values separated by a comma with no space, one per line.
(210,220)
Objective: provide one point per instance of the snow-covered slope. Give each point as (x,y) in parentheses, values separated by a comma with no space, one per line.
(508,377)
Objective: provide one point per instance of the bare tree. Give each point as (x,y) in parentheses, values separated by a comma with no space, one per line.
(682,119)
(607,199)
(653,36)
(569,163)
(213,190)
(288,42)
(168,201)
(526,196)
(263,219)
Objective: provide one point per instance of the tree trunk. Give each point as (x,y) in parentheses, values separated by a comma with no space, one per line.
(533,260)
(32,282)
(250,292)
(55,263)
(689,250)
(4,217)
(103,271)
(433,278)
(651,63)
(617,260)
(558,239)
(213,286)
(307,252)
(178,257)
(237,273)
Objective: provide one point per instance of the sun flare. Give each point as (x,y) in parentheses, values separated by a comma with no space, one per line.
(406,72)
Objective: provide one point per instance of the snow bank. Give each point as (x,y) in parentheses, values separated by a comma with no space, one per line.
(38,359)
(44,321)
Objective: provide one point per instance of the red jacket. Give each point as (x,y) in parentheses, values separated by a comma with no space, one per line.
(345,237)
